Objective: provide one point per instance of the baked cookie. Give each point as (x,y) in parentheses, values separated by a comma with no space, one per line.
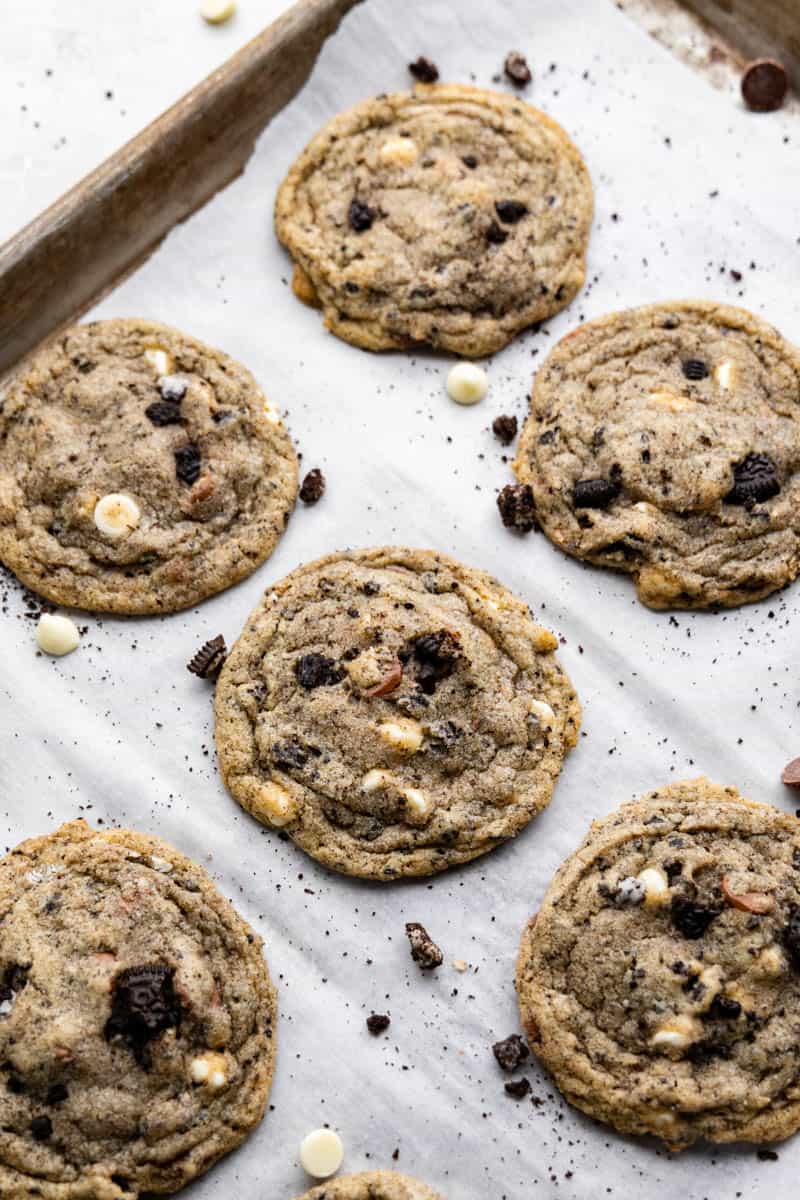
(371,1185)
(394,711)
(453,216)
(140,471)
(665,441)
(660,980)
(136,1019)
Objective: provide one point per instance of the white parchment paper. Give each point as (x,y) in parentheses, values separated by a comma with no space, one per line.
(688,187)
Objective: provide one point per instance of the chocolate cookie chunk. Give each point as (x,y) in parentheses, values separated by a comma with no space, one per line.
(137,1027)
(471,219)
(394,711)
(372,1185)
(659,981)
(140,471)
(665,442)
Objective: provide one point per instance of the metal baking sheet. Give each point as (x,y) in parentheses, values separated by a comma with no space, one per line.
(689,187)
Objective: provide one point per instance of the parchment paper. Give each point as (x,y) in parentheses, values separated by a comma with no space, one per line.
(688,186)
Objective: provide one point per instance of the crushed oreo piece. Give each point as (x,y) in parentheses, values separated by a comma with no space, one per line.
(510,211)
(164,412)
(57,1094)
(377,1022)
(764,85)
(518,1088)
(313,486)
(288,755)
(316,670)
(360,215)
(517,69)
(41,1128)
(595,493)
(691,919)
(143,1004)
(504,429)
(424,950)
(629,892)
(791,773)
(510,1052)
(694,369)
(516,506)
(724,1008)
(424,70)
(755,479)
(208,660)
(187,463)
(435,657)
(495,234)
(172,387)
(470,161)
(791,936)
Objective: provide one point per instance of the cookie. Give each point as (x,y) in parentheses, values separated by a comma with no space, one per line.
(665,442)
(394,712)
(372,1185)
(140,471)
(660,980)
(136,1019)
(452,216)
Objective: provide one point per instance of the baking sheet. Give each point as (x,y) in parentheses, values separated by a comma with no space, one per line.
(688,187)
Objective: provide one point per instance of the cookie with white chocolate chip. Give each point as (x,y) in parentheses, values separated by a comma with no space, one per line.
(140,470)
(665,442)
(372,1185)
(394,711)
(137,1018)
(660,980)
(452,216)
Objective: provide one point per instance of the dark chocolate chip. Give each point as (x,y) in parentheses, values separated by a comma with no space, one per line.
(315,670)
(504,429)
(164,412)
(187,463)
(755,479)
(694,368)
(495,234)
(510,211)
(517,69)
(378,1022)
(517,509)
(313,486)
(764,85)
(690,919)
(208,660)
(360,215)
(595,493)
(510,1052)
(424,950)
(469,160)
(143,1004)
(424,70)
(518,1088)
(41,1128)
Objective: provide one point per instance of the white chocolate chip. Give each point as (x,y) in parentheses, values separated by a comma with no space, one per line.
(116,514)
(678,1033)
(217,1081)
(276,804)
(656,886)
(399,151)
(418,806)
(160,864)
(375,779)
(160,360)
(467,383)
(543,711)
(199,1070)
(403,736)
(56,634)
(725,374)
(271,413)
(209,1070)
(217,11)
(321,1153)
(670,401)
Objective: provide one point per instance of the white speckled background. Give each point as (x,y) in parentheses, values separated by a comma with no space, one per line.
(122,732)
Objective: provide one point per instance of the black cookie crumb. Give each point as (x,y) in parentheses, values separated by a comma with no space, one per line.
(510,1052)
(755,479)
(315,670)
(312,488)
(423,949)
(208,660)
(690,919)
(436,656)
(424,70)
(495,234)
(695,369)
(518,1088)
(510,211)
(517,69)
(188,463)
(504,429)
(360,215)
(595,493)
(766,1155)
(143,1004)
(469,160)
(41,1128)
(377,1022)
(517,509)
(164,412)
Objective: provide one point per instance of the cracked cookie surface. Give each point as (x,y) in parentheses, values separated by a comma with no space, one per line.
(396,712)
(660,980)
(178,439)
(664,441)
(137,1018)
(453,216)
(372,1185)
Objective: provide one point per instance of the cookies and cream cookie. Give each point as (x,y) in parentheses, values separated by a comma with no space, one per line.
(394,712)
(372,1185)
(665,442)
(140,470)
(660,980)
(137,1018)
(454,216)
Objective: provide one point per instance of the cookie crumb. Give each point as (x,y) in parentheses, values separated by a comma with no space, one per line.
(208,660)
(423,948)
(517,69)
(424,70)
(518,1088)
(504,429)
(460,964)
(517,508)
(377,1022)
(766,1156)
(312,488)
(510,1052)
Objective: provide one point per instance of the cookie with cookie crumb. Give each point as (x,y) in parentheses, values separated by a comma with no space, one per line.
(372,1185)
(137,1018)
(660,980)
(453,216)
(394,711)
(140,470)
(664,442)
